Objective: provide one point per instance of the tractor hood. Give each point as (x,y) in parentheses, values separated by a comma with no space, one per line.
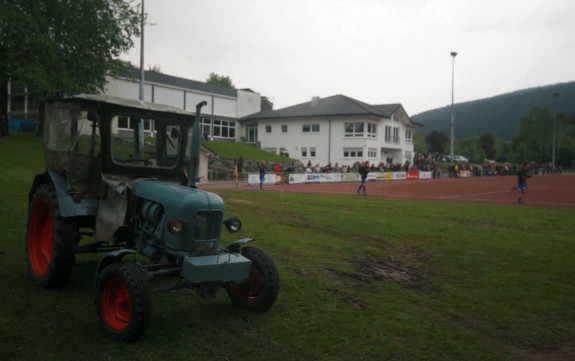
(164,204)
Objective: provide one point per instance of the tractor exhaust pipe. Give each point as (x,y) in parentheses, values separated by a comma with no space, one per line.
(195,147)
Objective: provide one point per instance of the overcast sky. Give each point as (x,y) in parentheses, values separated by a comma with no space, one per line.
(376,51)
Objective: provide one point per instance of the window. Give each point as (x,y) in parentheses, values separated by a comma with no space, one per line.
(371,130)
(352,153)
(353,129)
(310,128)
(224,128)
(268,129)
(284,128)
(125,122)
(396,135)
(408,155)
(127,150)
(372,153)
(206,125)
(305,154)
(358,129)
(408,135)
(388,133)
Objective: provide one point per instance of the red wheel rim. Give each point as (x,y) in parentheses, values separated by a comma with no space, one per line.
(252,291)
(40,238)
(116,304)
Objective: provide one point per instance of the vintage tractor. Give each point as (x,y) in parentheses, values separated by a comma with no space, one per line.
(124,173)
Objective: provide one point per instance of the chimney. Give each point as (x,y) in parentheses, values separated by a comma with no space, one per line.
(314,101)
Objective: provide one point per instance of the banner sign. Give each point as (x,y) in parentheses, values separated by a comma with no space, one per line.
(299,178)
(412,175)
(426,175)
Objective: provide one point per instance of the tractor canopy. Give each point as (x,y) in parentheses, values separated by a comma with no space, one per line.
(94,138)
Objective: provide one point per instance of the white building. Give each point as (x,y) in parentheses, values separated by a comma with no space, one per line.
(337,129)
(220,116)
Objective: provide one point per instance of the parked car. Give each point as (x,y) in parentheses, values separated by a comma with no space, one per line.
(456,158)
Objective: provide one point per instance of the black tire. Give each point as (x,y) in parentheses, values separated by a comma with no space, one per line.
(262,290)
(124,301)
(51,240)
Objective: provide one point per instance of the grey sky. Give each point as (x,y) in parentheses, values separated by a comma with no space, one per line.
(377,51)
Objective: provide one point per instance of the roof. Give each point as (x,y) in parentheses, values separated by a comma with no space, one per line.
(336,105)
(138,104)
(155,77)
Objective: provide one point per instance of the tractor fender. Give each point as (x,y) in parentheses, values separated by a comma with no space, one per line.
(87,206)
(115,256)
(235,246)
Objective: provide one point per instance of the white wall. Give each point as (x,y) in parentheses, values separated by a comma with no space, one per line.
(127,89)
(168,96)
(192,99)
(248,103)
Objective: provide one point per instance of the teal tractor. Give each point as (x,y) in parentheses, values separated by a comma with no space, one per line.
(122,174)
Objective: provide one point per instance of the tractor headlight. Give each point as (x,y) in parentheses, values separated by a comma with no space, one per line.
(176,226)
(233,224)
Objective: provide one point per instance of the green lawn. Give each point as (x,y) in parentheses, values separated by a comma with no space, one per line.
(361,279)
(234,150)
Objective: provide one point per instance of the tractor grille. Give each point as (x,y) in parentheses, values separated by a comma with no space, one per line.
(207,226)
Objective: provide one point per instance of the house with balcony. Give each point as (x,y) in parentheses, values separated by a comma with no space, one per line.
(337,130)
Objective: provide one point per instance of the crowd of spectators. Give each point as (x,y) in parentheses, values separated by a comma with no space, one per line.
(421,162)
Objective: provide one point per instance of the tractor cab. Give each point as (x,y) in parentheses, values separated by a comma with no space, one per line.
(94,138)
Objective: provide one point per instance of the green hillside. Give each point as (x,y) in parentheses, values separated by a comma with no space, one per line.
(500,114)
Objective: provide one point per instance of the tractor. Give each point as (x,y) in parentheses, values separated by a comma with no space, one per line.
(123,174)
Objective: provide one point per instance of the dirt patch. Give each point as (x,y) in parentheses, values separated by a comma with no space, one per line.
(564,354)
(369,271)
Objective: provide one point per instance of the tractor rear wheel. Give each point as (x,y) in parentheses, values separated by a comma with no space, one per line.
(124,301)
(261,292)
(51,240)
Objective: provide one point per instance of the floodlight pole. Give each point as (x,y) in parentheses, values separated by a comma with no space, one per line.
(553,145)
(142,24)
(453,55)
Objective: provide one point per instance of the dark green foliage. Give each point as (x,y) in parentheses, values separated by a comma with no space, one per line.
(437,141)
(499,115)
(487,143)
(221,80)
(64,46)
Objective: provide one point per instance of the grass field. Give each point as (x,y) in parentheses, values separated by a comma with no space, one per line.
(361,279)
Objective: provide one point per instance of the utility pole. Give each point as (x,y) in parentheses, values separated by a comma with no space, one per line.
(453,55)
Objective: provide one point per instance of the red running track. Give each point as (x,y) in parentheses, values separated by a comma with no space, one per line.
(555,191)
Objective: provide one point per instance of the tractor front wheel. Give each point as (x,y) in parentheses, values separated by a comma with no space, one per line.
(261,292)
(123,300)
(51,240)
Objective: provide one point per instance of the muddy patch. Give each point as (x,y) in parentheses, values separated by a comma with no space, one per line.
(369,271)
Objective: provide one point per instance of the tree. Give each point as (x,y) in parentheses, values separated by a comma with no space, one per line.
(532,141)
(487,143)
(155,68)
(419,143)
(437,141)
(64,46)
(470,147)
(216,79)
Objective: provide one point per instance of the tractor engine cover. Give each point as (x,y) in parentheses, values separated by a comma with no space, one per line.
(191,219)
